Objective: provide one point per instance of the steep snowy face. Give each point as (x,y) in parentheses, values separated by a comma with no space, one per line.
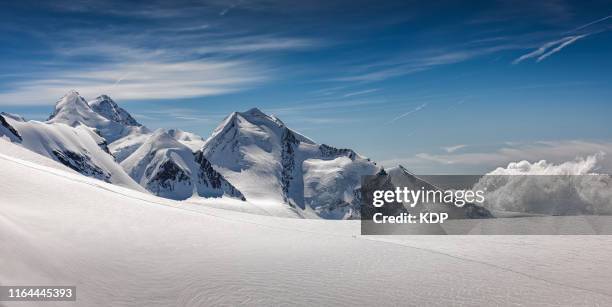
(106,107)
(73,110)
(8,131)
(78,148)
(271,163)
(170,169)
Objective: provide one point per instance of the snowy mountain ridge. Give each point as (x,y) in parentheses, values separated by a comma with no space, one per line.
(95,138)
(251,156)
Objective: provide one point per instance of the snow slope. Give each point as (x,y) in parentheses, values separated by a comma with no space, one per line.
(79,148)
(277,167)
(125,248)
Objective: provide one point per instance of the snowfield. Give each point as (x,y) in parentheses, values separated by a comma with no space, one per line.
(121,247)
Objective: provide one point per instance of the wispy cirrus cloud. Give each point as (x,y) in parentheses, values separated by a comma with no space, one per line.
(160,62)
(451,149)
(415,62)
(358,93)
(138,81)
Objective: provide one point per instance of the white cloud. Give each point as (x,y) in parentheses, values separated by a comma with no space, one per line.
(415,62)
(566,188)
(259,44)
(451,149)
(360,93)
(138,81)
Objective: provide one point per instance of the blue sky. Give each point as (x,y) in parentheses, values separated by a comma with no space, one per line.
(441,87)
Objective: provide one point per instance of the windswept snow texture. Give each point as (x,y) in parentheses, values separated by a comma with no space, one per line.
(275,166)
(170,169)
(120,247)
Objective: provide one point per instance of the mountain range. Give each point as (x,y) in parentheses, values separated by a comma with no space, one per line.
(251,157)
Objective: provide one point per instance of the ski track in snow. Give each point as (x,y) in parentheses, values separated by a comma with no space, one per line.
(299,283)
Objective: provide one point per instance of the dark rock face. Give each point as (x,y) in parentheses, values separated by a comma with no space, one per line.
(329,152)
(289,142)
(81,164)
(10,129)
(168,174)
(209,177)
(207,174)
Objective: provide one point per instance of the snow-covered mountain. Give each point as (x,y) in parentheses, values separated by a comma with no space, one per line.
(97,138)
(272,164)
(170,169)
(105,106)
(112,123)
(79,147)
(250,156)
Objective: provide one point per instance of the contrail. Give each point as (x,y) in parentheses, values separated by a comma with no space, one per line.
(592,23)
(561,46)
(419,108)
(120,79)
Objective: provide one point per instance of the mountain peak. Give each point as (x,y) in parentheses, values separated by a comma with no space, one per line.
(70,108)
(108,108)
(255,111)
(72,93)
(102,114)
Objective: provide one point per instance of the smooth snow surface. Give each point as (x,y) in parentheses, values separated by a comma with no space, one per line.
(121,247)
